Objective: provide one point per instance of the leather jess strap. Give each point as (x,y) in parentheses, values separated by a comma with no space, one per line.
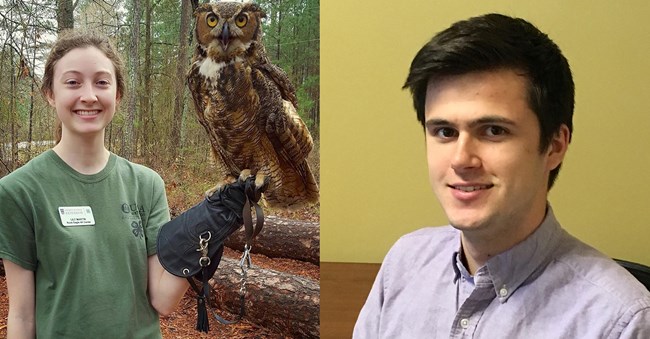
(252,232)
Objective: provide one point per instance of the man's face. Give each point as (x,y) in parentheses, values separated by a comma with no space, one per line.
(482,142)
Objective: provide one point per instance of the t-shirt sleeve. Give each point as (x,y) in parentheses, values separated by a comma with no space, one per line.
(17,240)
(159,214)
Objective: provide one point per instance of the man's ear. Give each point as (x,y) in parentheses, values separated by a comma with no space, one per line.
(558,147)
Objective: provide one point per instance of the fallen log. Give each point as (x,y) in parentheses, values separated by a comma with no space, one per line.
(283,238)
(275,300)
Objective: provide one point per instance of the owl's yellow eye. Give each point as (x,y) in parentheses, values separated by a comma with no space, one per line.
(241,20)
(211,20)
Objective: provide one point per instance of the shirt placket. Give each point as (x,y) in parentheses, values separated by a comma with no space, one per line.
(470,312)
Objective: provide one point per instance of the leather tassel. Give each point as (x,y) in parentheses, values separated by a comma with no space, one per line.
(202,323)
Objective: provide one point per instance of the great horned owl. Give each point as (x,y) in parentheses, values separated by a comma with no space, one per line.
(248,105)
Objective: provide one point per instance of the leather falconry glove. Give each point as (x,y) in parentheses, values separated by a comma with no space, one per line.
(191,245)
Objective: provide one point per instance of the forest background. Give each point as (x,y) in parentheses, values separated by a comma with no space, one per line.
(155,124)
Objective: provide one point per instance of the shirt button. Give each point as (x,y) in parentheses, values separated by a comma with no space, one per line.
(503,292)
(464,323)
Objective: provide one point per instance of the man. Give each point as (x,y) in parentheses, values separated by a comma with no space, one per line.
(495,97)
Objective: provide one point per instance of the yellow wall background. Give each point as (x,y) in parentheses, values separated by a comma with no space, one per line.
(373,169)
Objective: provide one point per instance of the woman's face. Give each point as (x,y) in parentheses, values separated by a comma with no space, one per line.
(84,92)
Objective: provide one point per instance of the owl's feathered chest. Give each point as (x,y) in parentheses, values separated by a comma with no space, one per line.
(230,110)
(224,76)
(227,90)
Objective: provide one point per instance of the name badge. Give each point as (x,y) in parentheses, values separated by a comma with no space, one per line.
(76,216)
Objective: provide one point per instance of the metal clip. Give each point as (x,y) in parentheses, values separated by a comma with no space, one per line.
(246,258)
(203,248)
(244,264)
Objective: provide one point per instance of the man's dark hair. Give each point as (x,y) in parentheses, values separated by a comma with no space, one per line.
(493,42)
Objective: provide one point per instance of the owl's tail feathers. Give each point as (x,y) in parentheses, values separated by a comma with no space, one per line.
(294,190)
(312,192)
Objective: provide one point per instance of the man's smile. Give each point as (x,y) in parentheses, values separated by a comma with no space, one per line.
(470,188)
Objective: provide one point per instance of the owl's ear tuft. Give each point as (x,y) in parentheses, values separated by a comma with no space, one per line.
(255,8)
(201,9)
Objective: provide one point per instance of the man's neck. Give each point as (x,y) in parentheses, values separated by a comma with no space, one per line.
(478,246)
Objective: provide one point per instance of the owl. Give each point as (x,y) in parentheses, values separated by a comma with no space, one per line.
(247,105)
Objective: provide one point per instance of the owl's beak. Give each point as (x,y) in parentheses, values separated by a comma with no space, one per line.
(225,37)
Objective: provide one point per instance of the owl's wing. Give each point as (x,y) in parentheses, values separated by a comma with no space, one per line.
(195,85)
(277,75)
(290,133)
(284,127)
(292,143)
(287,132)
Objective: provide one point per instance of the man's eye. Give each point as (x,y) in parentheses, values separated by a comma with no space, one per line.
(494,131)
(445,132)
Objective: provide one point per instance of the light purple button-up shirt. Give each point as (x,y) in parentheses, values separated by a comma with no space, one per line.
(551,285)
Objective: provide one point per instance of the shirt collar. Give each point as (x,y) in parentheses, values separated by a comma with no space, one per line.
(510,269)
(459,267)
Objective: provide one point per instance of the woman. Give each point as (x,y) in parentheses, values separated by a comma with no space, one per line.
(78,224)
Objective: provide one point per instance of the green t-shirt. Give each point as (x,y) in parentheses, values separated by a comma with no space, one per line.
(90,275)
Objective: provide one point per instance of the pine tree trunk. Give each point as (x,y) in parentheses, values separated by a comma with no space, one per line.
(283,238)
(145,117)
(64,14)
(279,301)
(179,83)
(134,71)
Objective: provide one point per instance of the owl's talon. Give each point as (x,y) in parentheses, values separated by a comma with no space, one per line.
(226,181)
(244,174)
(211,191)
(261,181)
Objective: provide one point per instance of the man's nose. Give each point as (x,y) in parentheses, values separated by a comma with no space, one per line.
(465,155)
